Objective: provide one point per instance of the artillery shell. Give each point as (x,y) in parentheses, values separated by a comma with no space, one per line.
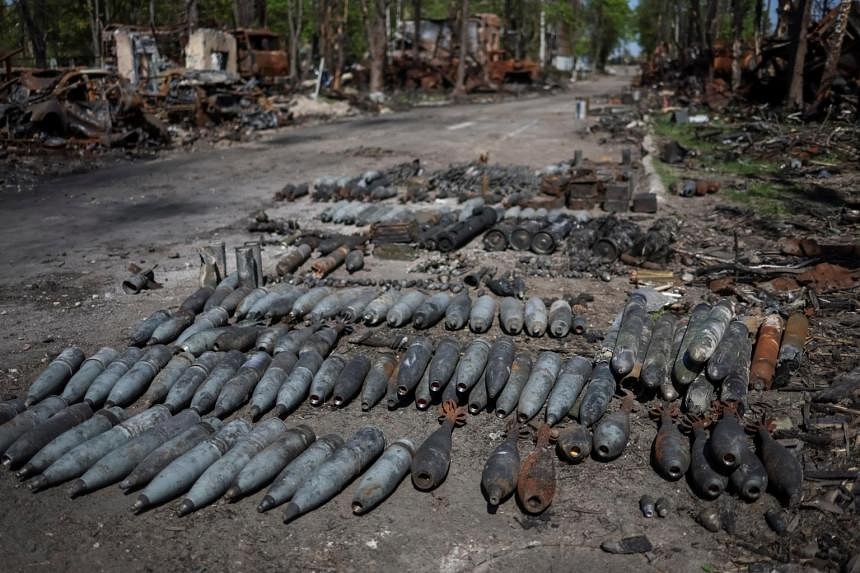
(325,265)
(322,341)
(574,443)
(499,477)
(709,482)
(671,451)
(431,310)
(684,371)
(423,397)
(349,381)
(168,330)
(11,408)
(354,261)
(499,363)
(444,363)
(597,395)
(471,365)
(353,310)
(791,350)
(180,394)
(728,351)
(306,302)
(166,378)
(295,388)
(663,506)
(655,368)
(377,381)
(293,259)
(206,395)
(182,472)
(195,302)
(571,380)
(536,317)
(29,419)
(784,472)
(728,442)
(402,311)
(333,474)
(240,338)
(330,306)
(232,301)
(511,315)
(135,381)
(100,422)
(629,335)
(33,440)
(269,337)
(699,395)
(705,342)
(204,340)
(611,434)
(520,372)
(477,401)
(383,477)
(458,312)
(277,305)
(482,314)
(54,377)
(536,480)
(293,340)
(763,364)
(77,386)
(378,308)
(237,390)
(560,318)
(144,329)
(213,318)
(297,471)
(324,379)
(248,302)
(433,458)
(539,385)
(266,391)
(749,477)
(222,291)
(646,506)
(163,455)
(414,362)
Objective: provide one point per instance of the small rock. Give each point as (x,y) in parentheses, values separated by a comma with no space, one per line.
(628,545)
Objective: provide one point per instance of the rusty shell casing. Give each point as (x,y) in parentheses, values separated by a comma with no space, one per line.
(267,464)
(796,333)
(77,386)
(292,476)
(293,340)
(471,365)
(655,368)
(30,442)
(54,377)
(325,378)
(571,380)
(423,397)
(195,302)
(499,363)
(431,310)
(511,315)
(353,310)
(539,385)
(100,422)
(297,385)
(248,302)
(266,391)
(764,359)
(212,318)
(11,408)
(135,381)
(671,451)
(237,390)
(477,401)
(377,310)
(415,361)
(611,434)
(325,265)
(80,458)
(784,472)
(699,395)
(354,261)
(510,396)
(482,313)
(120,462)
(727,442)
(402,311)
(231,302)
(728,351)
(240,338)
(376,385)
(101,387)
(705,342)
(560,318)
(163,455)
(383,477)
(222,291)
(333,474)
(306,303)
(207,394)
(269,337)
(536,480)
(499,477)
(458,311)
(168,330)
(166,378)
(749,478)
(216,479)
(444,363)
(350,380)
(432,459)
(203,341)
(180,394)
(143,330)
(574,443)
(684,371)
(293,259)
(535,317)
(629,335)
(597,394)
(181,473)
(708,482)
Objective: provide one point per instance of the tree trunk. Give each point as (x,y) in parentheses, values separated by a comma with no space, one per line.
(337,79)
(294,21)
(374,15)
(799,25)
(261,13)
(738,13)
(243,12)
(834,52)
(34,34)
(192,15)
(696,23)
(757,19)
(152,14)
(711,36)
(95,30)
(460,86)
(416,39)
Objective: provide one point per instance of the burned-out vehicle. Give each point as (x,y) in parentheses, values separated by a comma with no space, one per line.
(261,55)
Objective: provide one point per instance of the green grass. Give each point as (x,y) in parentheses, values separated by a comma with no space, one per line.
(668,174)
(742,167)
(684,133)
(764,198)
